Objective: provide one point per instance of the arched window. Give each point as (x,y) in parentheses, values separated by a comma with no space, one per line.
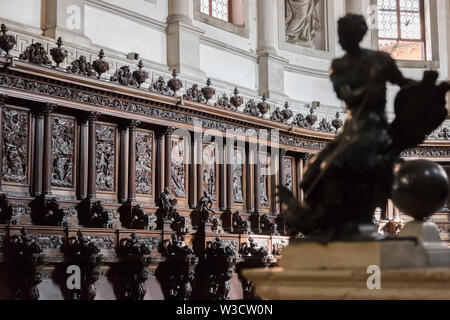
(401,29)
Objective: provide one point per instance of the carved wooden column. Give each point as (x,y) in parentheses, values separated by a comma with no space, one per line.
(192,202)
(83,159)
(3,99)
(281,182)
(38,153)
(92,161)
(248,180)
(230,161)
(159,162)
(299,173)
(222,181)
(254,219)
(47,151)
(199,147)
(123,168)
(132,161)
(168,157)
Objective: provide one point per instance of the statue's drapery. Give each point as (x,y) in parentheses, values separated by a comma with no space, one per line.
(302,20)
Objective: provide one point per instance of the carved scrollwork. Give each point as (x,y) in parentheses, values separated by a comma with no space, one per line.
(15,145)
(300,121)
(63,134)
(175,247)
(325,126)
(240,225)
(35,53)
(224,102)
(144,162)
(220,248)
(82,67)
(105,155)
(253,249)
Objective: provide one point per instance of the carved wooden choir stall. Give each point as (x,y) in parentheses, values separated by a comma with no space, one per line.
(96,174)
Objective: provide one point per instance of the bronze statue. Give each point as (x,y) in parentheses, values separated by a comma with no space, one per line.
(353,175)
(167,204)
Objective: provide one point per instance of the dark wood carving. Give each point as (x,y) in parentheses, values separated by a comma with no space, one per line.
(325,126)
(144,162)
(7,42)
(240,225)
(134,217)
(178,171)
(15,145)
(209,170)
(35,53)
(177,272)
(94,215)
(100,66)
(300,121)
(160,85)
(337,123)
(236,99)
(175,84)
(288,173)
(58,54)
(251,108)
(106,157)
(135,256)
(238,175)
(86,253)
(47,212)
(267,226)
(194,94)
(140,76)
(82,67)
(263,106)
(63,135)
(207,91)
(123,76)
(6,210)
(220,259)
(224,102)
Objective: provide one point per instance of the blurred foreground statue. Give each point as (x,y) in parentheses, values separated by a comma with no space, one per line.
(353,175)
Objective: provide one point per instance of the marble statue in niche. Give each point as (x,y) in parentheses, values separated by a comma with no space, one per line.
(209,169)
(302,21)
(288,173)
(63,133)
(178,169)
(238,173)
(144,156)
(15,145)
(105,137)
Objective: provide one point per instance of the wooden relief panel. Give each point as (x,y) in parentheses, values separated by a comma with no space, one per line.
(63,135)
(238,175)
(144,162)
(264,179)
(178,169)
(105,149)
(209,169)
(288,173)
(15,145)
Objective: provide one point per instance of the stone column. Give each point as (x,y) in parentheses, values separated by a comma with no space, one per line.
(229,183)
(66,19)
(183,40)
(92,159)
(270,65)
(168,157)
(132,160)
(47,150)
(38,153)
(83,159)
(123,167)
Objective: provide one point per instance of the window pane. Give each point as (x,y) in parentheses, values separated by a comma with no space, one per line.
(410,25)
(406,50)
(387,24)
(220,9)
(204,6)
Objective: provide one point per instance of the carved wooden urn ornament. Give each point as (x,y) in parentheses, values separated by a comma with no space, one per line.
(287,113)
(7,42)
(100,66)
(140,76)
(311,117)
(207,91)
(175,84)
(58,54)
(337,123)
(263,106)
(237,100)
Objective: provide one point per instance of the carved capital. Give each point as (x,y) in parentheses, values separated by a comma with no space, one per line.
(48,108)
(132,124)
(169,131)
(283,152)
(3,99)
(93,116)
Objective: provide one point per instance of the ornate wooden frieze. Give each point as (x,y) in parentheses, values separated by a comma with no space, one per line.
(178,169)
(63,137)
(15,145)
(288,173)
(106,157)
(238,175)
(209,169)
(434,152)
(144,162)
